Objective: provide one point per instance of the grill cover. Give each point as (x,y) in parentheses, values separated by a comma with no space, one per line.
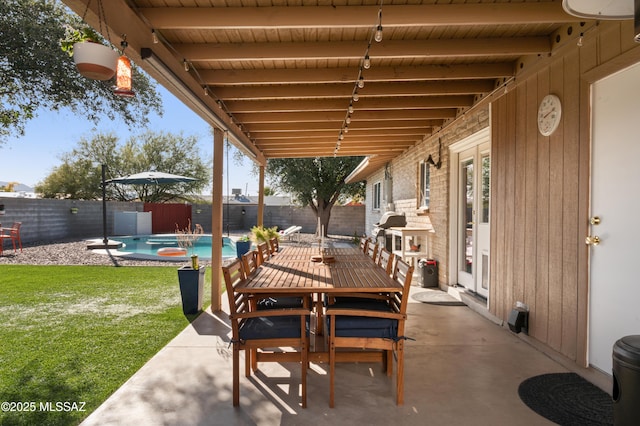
(388,220)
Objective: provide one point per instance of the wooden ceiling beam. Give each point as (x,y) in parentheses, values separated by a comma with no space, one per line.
(441,48)
(348,75)
(424,102)
(345,90)
(339,116)
(412,133)
(328,152)
(355,124)
(305,145)
(280,17)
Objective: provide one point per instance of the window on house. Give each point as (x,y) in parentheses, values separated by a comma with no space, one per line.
(377,190)
(425,186)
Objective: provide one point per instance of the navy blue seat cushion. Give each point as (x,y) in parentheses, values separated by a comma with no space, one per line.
(358,303)
(280,303)
(287,326)
(355,326)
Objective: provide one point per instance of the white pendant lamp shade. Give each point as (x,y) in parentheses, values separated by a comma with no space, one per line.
(599,9)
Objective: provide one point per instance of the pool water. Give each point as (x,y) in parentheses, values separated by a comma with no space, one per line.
(149,245)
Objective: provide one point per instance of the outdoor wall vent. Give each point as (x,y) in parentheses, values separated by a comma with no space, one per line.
(519,319)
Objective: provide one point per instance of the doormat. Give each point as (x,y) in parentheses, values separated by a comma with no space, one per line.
(567,399)
(437,297)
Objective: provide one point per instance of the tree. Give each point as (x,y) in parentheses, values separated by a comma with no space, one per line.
(9,187)
(35,73)
(316,182)
(268,191)
(79,175)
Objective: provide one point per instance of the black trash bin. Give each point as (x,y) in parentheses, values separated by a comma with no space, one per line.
(428,272)
(626,381)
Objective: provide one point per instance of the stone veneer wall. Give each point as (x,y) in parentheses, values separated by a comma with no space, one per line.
(404,171)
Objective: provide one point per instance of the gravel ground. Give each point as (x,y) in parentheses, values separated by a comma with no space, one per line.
(76,253)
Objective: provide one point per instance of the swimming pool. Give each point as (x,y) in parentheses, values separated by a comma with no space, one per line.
(148,246)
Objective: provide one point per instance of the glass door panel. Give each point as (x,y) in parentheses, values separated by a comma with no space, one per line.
(466,223)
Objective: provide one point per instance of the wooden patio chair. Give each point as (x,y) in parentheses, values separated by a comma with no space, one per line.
(374,328)
(12,234)
(264,253)
(261,333)
(385,260)
(250,262)
(377,258)
(372,250)
(274,245)
(364,242)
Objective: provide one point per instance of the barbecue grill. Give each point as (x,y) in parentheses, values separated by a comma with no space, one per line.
(388,220)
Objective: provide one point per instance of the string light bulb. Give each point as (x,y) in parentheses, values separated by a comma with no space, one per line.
(186,65)
(366,64)
(154,37)
(378,36)
(580,40)
(359,84)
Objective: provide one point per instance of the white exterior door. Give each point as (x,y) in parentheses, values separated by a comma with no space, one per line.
(614,283)
(470,176)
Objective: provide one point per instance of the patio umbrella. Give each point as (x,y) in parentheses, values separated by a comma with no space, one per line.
(143,178)
(151,178)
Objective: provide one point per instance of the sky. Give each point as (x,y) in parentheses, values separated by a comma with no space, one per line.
(30,158)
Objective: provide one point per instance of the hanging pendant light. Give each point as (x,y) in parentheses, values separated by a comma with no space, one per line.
(124,78)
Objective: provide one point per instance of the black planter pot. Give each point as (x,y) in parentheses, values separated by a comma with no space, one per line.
(191,288)
(242,247)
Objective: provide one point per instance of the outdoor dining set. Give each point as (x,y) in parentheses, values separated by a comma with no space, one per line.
(318,305)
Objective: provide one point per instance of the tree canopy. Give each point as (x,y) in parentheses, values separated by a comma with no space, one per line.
(35,72)
(79,176)
(316,182)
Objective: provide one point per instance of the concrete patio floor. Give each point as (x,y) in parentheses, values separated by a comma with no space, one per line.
(462,369)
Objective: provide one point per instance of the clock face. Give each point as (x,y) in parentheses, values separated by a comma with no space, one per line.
(549,114)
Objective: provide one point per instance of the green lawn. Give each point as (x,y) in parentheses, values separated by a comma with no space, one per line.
(74,334)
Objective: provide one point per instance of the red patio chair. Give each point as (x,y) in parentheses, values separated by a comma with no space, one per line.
(12,234)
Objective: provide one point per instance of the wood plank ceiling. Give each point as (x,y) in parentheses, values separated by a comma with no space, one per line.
(281,75)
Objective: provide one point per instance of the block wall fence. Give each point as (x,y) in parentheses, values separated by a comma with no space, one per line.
(46,220)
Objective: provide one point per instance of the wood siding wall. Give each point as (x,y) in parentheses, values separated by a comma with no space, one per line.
(540,191)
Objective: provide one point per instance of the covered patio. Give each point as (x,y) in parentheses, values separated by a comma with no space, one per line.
(461,369)
(285,80)
(344,78)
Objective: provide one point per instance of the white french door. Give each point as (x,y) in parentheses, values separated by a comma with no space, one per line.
(470,183)
(614,290)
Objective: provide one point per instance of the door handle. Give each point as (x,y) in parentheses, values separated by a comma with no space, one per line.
(592,240)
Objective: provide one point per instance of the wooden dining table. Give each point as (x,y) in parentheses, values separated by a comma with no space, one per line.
(297,270)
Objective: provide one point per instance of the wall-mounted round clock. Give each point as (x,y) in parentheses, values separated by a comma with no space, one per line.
(549,113)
